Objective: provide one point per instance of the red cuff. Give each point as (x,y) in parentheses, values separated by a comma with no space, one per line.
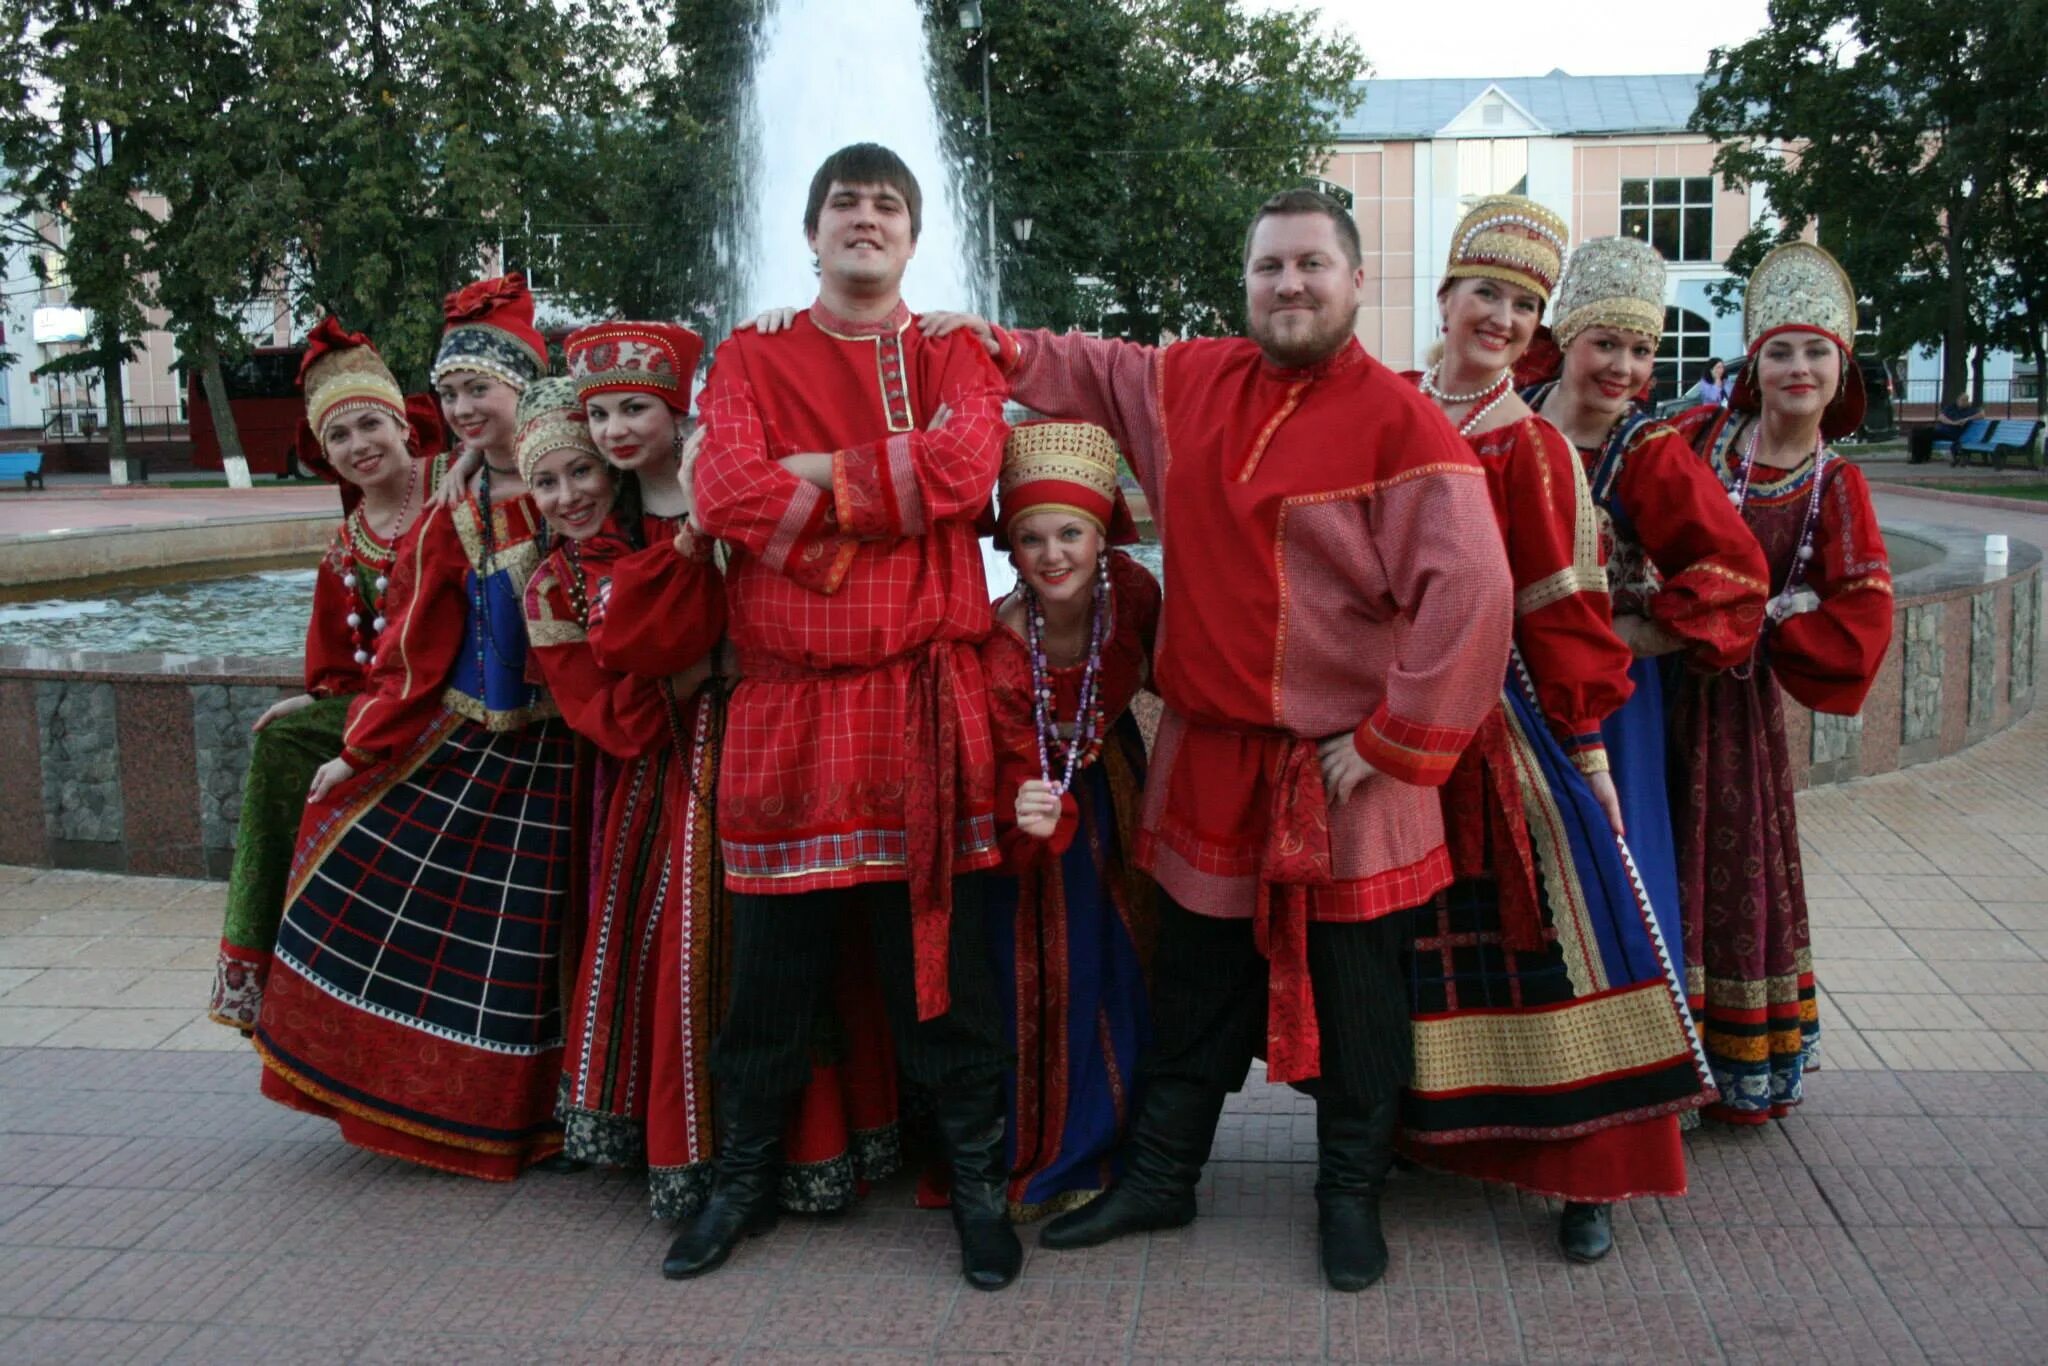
(1009,351)
(1410,750)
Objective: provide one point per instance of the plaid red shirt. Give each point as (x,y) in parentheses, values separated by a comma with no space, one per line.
(843,604)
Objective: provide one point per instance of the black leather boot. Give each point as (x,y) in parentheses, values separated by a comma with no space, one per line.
(972,1123)
(1354,1150)
(1586,1232)
(1163,1159)
(745,1177)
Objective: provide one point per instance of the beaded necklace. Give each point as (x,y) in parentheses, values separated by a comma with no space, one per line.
(1780,605)
(1087,736)
(1494,395)
(365,554)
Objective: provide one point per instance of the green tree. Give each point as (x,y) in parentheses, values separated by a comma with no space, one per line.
(1138,136)
(67,100)
(1894,124)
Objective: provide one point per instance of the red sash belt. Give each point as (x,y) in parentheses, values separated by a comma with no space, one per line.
(1295,856)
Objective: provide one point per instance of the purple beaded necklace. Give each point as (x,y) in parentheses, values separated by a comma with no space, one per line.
(1087,738)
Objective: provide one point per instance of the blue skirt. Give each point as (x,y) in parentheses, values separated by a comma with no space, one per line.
(1067,947)
(1638,744)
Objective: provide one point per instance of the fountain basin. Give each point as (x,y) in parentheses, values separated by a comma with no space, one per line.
(133,762)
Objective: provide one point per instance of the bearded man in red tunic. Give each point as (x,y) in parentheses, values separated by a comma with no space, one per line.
(1336,622)
(846,461)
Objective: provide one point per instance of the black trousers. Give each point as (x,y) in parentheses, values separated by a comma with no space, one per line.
(784,951)
(1209,988)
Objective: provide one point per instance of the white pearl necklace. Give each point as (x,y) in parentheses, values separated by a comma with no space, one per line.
(1494,395)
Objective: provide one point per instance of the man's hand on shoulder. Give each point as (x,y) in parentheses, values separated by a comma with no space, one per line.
(945,324)
(769,321)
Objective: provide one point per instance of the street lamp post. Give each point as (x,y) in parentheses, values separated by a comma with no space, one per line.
(971,21)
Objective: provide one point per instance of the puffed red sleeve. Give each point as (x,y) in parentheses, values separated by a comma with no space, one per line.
(663,612)
(1714,576)
(1441,550)
(426,619)
(745,497)
(1564,621)
(621,714)
(331,667)
(1829,657)
(1014,727)
(1114,384)
(901,485)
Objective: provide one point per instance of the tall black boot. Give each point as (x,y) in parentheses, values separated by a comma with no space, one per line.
(1354,1149)
(745,1177)
(1163,1158)
(972,1123)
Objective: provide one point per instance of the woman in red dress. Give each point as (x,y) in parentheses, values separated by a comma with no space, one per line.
(414,993)
(1071,921)
(384,450)
(1553,1048)
(1828,624)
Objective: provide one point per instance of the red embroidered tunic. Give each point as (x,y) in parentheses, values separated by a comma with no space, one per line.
(1829,657)
(1363,589)
(857,746)
(1564,632)
(436,651)
(331,667)
(1134,616)
(1679,552)
(661,612)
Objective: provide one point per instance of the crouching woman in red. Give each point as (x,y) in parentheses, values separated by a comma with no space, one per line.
(1071,927)
(413,995)
(634,1083)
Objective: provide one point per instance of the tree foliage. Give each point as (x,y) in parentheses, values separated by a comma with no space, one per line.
(1908,130)
(1139,136)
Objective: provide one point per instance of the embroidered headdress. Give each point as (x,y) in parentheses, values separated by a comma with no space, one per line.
(634,357)
(341,371)
(1613,282)
(550,419)
(1062,467)
(1799,287)
(490,329)
(1509,237)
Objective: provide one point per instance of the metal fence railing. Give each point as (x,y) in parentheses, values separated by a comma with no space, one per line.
(2001,397)
(144,421)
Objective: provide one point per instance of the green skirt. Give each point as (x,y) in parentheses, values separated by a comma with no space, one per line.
(286,754)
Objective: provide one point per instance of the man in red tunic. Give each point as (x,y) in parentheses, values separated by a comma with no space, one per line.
(846,461)
(1336,623)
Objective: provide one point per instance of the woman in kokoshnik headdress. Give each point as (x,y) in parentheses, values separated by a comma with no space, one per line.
(415,995)
(1553,1048)
(649,994)
(1071,920)
(1685,576)
(386,451)
(1747,947)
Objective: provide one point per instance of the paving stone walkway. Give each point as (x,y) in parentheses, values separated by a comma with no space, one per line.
(154,1208)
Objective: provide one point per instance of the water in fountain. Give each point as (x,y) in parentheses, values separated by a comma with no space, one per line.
(831,73)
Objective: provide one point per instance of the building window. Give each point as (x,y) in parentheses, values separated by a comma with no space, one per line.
(1682,353)
(1673,214)
(1491,166)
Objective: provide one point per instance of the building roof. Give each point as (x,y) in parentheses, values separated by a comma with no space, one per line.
(1564,104)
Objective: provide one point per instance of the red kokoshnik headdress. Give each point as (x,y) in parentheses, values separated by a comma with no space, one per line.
(1799,287)
(1062,467)
(658,359)
(341,372)
(490,329)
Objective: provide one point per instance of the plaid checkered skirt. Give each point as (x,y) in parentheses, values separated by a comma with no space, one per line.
(416,970)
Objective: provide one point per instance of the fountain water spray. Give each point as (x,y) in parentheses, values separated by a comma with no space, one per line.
(831,73)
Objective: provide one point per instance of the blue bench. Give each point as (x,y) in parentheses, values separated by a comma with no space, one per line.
(1977,430)
(27,464)
(2017,436)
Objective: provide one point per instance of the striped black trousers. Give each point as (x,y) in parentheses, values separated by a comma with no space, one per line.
(1209,984)
(784,950)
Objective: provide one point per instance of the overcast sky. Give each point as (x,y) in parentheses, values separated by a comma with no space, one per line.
(1409,38)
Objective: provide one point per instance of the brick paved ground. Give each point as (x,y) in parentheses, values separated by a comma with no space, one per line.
(154,1208)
